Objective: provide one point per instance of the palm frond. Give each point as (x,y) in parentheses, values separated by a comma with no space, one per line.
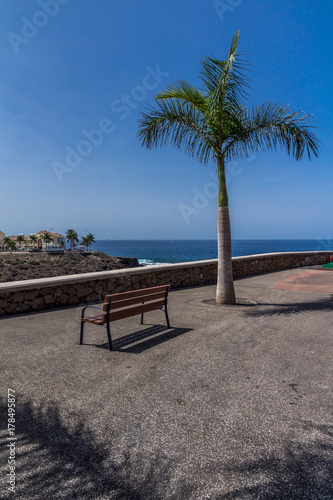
(214,121)
(179,124)
(225,84)
(225,79)
(268,127)
(185,92)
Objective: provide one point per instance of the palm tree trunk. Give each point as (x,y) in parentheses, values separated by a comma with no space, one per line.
(225,292)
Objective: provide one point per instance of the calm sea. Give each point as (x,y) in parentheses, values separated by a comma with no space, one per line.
(171,251)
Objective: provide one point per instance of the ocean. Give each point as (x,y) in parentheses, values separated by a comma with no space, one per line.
(150,252)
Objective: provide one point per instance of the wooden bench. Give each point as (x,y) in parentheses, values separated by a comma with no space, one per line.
(123,305)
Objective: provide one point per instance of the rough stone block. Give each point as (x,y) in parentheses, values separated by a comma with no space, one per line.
(49,299)
(57,292)
(63,299)
(21,308)
(10,307)
(31,295)
(92,297)
(73,300)
(38,303)
(18,297)
(84,291)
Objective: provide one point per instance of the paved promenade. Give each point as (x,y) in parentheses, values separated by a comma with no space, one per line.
(230,403)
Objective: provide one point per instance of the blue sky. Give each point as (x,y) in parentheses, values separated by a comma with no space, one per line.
(70,67)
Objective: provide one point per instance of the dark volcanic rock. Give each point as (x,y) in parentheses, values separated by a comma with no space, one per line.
(27,266)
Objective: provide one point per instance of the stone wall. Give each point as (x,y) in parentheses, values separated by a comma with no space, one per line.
(35,295)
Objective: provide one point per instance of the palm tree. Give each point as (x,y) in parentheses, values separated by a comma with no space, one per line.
(11,245)
(72,237)
(20,239)
(33,238)
(90,239)
(47,238)
(213,123)
(6,240)
(84,241)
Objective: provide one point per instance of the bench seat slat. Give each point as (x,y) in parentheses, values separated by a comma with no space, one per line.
(137,293)
(136,300)
(133,311)
(97,320)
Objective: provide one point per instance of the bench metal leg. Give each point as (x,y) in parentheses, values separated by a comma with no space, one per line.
(142,319)
(108,330)
(166,315)
(81,332)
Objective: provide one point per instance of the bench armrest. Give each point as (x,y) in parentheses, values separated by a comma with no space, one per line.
(90,307)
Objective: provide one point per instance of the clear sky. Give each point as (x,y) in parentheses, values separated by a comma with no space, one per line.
(70,67)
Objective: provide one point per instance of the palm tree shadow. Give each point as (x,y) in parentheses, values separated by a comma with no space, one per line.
(304,471)
(144,339)
(326,304)
(58,460)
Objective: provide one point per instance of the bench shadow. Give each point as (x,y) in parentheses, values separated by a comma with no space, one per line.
(144,339)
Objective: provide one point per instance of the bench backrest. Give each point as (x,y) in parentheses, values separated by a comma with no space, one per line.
(125,304)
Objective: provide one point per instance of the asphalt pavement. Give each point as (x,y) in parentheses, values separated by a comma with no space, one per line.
(232,402)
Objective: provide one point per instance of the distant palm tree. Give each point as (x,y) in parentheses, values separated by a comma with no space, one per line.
(11,245)
(6,240)
(91,239)
(213,123)
(33,238)
(84,241)
(88,240)
(47,238)
(20,239)
(72,237)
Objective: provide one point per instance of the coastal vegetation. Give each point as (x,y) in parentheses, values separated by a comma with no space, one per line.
(213,123)
(11,245)
(33,238)
(88,240)
(20,240)
(47,238)
(35,241)
(6,241)
(72,237)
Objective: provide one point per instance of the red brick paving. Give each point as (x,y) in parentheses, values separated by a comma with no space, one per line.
(308,281)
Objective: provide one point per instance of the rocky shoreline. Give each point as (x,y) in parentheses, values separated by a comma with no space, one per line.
(27,266)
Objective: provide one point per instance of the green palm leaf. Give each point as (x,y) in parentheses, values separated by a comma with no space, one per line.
(268,127)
